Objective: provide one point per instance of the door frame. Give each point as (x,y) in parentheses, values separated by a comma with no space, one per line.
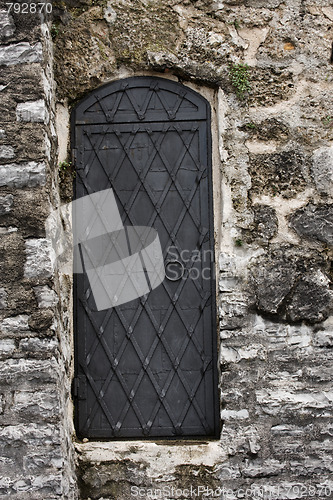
(214,214)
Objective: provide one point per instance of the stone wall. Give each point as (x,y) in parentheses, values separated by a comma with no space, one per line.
(36,451)
(267,67)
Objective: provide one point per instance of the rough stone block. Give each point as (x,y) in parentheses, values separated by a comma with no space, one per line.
(6,203)
(27,373)
(40,259)
(312,299)
(30,434)
(21,175)
(20,53)
(264,468)
(314,222)
(322,170)
(24,484)
(281,402)
(15,324)
(7,152)
(265,224)
(42,460)
(46,297)
(35,112)
(7,26)
(41,320)
(31,405)
(323,338)
(273,278)
(7,347)
(234,415)
(3,298)
(278,173)
(29,212)
(29,139)
(38,347)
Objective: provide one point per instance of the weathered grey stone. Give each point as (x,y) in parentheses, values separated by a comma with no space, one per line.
(28,373)
(278,173)
(3,298)
(30,434)
(7,346)
(7,230)
(314,222)
(41,347)
(31,405)
(322,170)
(39,258)
(270,129)
(273,278)
(11,257)
(6,203)
(265,224)
(21,175)
(7,26)
(30,206)
(35,112)
(15,324)
(323,338)
(46,297)
(234,415)
(280,401)
(2,133)
(264,468)
(7,152)
(41,320)
(41,484)
(20,53)
(312,299)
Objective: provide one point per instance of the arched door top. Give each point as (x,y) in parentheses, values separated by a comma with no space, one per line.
(141,99)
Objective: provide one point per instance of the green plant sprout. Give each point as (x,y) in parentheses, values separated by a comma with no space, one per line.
(327,120)
(250,125)
(65,168)
(240,79)
(54,31)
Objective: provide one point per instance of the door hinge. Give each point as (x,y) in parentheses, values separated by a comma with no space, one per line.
(80,387)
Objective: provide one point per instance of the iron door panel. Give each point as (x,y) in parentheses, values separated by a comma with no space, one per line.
(148,367)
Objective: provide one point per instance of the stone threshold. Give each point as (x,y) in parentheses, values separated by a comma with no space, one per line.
(155,453)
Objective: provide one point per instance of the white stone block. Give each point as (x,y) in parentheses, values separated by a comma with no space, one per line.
(20,53)
(7,26)
(46,297)
(21,175)
(32,111)
(7,346)
(322,170)
(7,152)
(15,324)
(234,415)
(40,258)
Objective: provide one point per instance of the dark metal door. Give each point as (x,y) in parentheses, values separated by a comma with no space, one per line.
(147,368)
